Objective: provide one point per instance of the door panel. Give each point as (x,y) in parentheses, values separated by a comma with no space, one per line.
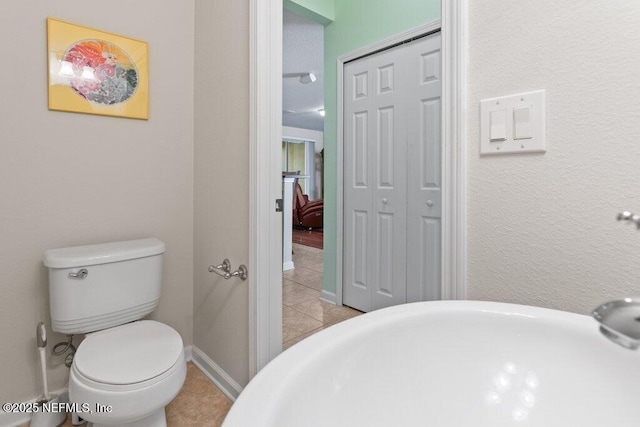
(358,235)
(384,255)
(385,154)
(424,198)
(360,167)
(429,276)
(430,62)
(429,143)
(360,85)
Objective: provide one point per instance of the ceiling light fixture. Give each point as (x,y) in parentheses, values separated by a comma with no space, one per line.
(321,111)
(307,78)
(304,78)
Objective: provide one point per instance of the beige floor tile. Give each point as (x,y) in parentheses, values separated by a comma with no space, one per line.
(294,293)
(296,340)
(307,257)
(339,314)
(304,276)
(286,282)
(326,313)
(313,308)
(302,306)
(295,324)
(299,249)
(312,262)
(199,402)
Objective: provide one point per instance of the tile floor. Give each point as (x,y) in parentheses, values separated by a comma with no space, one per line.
(303,314)
(200,403)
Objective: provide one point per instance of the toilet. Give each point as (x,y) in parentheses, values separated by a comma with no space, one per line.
(126,370)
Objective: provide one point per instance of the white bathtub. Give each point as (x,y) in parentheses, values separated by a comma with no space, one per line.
(454,363)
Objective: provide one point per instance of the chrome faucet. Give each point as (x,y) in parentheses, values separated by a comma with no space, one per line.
(630,218)
(620,321)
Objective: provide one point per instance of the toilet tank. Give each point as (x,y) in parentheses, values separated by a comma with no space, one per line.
(122,283)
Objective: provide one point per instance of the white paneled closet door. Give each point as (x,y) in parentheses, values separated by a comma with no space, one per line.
(392,176)
(375,158)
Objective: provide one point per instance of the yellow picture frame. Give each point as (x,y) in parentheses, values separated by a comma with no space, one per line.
(96,72)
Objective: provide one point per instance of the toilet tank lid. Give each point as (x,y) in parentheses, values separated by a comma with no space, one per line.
(104,253)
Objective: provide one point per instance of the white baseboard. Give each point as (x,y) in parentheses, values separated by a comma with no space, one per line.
(14,419)
(329,297)
(10,419)
(286,266)
(216,374)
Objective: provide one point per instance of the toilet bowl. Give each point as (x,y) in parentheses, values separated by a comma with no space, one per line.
(126,370)
(126,375)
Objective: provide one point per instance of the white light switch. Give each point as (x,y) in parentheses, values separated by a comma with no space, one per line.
(513,124)
(498,126)
(522,128)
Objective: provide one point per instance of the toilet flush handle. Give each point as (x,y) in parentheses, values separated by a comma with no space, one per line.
(80,274)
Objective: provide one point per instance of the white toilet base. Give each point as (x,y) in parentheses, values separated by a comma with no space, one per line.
(157,419)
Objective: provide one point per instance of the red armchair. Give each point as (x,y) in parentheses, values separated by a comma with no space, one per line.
(307,214)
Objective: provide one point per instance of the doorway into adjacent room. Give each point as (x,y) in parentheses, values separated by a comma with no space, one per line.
(303,174)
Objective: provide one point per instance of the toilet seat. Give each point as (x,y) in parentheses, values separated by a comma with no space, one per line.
(98,386)
(132,355)
(134,369)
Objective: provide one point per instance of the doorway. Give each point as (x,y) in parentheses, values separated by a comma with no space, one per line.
(265,181)
(302,165)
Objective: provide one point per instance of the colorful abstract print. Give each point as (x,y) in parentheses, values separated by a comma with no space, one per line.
(102,72)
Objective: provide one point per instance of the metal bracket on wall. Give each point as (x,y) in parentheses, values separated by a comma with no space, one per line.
(224,270)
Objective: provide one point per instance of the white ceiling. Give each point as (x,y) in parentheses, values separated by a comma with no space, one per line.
(303,52)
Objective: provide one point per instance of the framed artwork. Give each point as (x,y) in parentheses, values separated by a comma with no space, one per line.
(96,72)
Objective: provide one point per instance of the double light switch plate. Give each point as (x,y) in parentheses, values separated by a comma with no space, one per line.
(513,124)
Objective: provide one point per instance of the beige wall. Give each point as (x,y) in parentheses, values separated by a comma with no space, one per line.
(542,228)
(71,179)
(221,130)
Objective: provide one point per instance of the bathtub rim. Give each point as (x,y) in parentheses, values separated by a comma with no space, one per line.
(271,378)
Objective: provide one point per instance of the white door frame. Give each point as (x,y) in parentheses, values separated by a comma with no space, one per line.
(265,185)
(265,279)
(454,138)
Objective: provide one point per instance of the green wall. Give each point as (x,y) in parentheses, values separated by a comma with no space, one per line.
(320,11)
(356,23)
